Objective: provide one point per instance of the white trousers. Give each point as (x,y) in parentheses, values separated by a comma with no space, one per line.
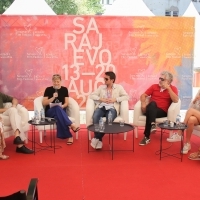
(14,120)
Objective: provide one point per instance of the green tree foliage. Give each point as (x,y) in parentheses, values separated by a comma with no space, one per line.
(61,7)
(4,4)
(89,7)
(76,7)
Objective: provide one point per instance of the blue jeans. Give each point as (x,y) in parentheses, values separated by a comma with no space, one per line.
(62,121)
(102,112)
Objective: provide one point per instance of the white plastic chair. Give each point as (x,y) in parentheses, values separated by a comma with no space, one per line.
(123,114)
(72,110)
(140,120)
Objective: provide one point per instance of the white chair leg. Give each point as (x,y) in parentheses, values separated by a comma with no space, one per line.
(136,132)
(40,133)
(170,133)
(89,135)
(125,135)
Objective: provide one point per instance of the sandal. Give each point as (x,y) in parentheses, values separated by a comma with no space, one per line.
(194,156)
(4,157)
(76,130)
(70,141)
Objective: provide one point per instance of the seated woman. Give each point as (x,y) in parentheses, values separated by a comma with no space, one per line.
(2,142)
(192,118)
(56,100)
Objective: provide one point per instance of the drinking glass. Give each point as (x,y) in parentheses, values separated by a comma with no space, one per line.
(96,127)
(165,123)
(102,127)
(121,122)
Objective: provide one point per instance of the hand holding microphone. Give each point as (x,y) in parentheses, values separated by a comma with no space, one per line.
(55,94)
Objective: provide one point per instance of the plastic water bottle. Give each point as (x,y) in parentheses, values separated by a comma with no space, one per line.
(178,120)
(42,115)
(37,117)
(110,118)
(101,125)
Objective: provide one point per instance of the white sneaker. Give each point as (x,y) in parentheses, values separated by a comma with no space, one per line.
(94,142)
(174,138)
(99,145)
(186,148)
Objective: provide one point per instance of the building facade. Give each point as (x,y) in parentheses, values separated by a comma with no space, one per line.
(173,8)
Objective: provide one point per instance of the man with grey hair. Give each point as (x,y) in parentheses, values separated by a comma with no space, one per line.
(161,97)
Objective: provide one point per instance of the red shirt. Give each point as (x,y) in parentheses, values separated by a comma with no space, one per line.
(162,98)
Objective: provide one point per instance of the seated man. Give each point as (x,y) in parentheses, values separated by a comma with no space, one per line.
(192,118)
(162,95)
(15,121)
(109,97)
(2,142)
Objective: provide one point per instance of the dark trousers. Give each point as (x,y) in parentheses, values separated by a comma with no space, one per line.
(62,121)
(102,112)
(152,112)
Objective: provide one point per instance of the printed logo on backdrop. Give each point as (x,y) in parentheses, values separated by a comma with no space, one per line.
(29,31)
(188,34)
(141,32)
(39,52)
(177,53)
(27,75)
(141,75)
(86,49)
(133,54)
(5,55)
(190,31)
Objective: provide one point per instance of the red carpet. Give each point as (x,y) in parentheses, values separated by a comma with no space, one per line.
(73,173)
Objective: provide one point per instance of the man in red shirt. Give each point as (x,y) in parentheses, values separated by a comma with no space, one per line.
(161,97)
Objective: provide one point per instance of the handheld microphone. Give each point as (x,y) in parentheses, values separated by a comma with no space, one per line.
(56,91)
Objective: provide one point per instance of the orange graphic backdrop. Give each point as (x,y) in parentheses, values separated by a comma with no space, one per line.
(82,48)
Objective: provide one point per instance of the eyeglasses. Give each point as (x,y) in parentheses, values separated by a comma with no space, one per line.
(106,79)
(161,79)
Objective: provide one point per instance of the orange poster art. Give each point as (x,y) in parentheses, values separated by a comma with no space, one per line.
(82,48)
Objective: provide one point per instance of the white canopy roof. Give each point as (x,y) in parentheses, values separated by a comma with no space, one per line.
(29,7)
(128,8)
(192,12)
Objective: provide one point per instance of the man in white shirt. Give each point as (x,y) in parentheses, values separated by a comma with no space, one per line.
(15,121)
(109,97)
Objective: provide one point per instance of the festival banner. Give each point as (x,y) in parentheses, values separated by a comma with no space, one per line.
(82,48)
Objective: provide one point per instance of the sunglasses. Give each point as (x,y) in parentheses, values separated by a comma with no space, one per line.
(161,79)
(106,79)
